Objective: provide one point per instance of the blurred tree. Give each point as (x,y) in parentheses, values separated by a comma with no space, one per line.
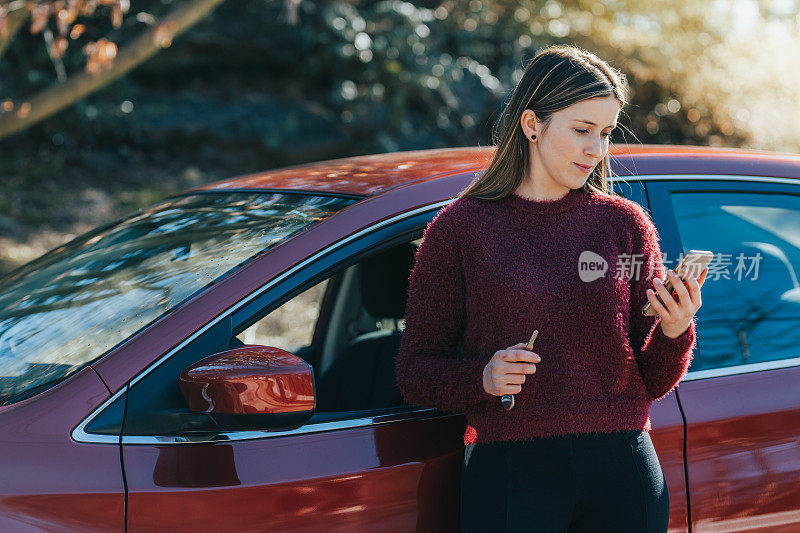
(103,64)
(434,73)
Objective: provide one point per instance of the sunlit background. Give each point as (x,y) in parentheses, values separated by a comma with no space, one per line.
(234,87)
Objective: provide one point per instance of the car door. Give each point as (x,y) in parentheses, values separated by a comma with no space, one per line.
(740,396)
(373,467)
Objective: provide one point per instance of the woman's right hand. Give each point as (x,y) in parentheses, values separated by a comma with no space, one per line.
(505,372)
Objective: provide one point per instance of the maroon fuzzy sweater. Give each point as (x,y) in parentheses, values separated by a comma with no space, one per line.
(488,273)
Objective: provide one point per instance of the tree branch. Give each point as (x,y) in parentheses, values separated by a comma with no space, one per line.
(56,98)
(16,19)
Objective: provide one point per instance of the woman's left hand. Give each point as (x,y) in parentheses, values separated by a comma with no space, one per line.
(677,316)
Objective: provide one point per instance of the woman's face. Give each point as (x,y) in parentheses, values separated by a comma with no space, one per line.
(571,139)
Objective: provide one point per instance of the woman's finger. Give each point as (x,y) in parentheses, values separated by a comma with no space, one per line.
(685,299)
(694,292)
(515,379)
(657,307)
(692,289)
(669,305)
(702,278)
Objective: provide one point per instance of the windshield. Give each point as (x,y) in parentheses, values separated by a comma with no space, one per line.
(72,305)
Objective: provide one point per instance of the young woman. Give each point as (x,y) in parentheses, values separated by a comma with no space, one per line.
(540,242)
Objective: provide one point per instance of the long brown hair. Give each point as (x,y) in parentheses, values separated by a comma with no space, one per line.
(555,78)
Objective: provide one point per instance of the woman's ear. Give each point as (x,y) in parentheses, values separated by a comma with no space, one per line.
(528,122)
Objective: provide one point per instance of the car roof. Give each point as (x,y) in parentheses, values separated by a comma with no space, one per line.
(368,175)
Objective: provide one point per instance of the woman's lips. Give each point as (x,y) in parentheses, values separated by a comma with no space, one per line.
(583,168)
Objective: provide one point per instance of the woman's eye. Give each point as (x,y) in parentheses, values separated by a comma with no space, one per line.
(587,131)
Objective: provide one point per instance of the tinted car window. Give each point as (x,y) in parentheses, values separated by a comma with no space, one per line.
(291,326)
(751,298)
(71,306)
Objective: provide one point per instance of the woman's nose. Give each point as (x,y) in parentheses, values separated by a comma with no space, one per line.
(594,148)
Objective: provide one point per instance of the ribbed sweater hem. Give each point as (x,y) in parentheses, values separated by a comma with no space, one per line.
(494,424)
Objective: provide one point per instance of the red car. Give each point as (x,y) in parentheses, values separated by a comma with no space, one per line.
(224,360)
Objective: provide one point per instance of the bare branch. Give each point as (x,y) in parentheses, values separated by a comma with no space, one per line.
(291,11)
(55,49)
(15,14)
(49,101)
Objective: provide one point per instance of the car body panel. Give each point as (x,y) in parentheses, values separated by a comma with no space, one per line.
(744,451)
(48,480)
(363,175)
(392,477)
(368,175)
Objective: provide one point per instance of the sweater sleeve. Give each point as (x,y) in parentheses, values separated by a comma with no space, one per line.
(662,360)
(428,368)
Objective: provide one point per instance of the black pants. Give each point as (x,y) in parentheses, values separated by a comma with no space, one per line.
(566,483)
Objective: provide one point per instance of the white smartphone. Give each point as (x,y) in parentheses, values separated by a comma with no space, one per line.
(693,262)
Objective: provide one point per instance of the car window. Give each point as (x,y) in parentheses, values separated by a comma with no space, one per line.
(751,297)
(353,344)
(290,326)
(66,309)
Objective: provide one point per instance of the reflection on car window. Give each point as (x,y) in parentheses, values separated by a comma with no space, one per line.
(751,297)
(69,307)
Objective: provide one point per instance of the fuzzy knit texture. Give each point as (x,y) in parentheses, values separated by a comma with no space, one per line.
(489,272)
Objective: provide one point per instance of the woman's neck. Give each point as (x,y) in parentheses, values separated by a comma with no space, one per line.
(540,194)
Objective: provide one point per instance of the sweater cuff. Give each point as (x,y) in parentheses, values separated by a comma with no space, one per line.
(679,344)
(688,332)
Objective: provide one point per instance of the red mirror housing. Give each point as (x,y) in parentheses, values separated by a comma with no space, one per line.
(249,380)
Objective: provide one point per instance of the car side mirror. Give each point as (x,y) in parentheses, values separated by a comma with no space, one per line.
(252,387)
